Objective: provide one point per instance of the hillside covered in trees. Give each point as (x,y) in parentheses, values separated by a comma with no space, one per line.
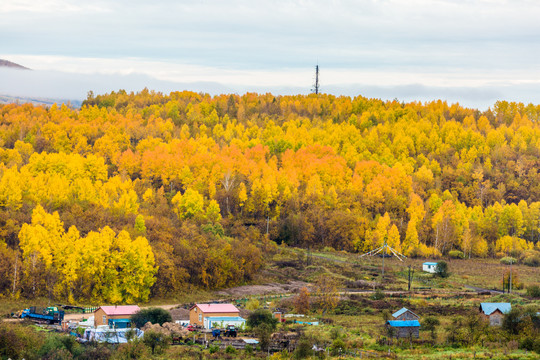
(140,195)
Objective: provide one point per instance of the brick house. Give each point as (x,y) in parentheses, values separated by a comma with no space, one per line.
(199,312)
(117,316)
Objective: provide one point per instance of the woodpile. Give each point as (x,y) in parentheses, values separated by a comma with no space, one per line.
(169,329)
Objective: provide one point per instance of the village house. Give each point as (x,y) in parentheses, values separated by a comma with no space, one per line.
(210,315)
(405,314)
(429,267)
(494,312)
(117,316)
(404,328)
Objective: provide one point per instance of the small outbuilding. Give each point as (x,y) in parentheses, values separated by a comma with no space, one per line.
(199,312)
(405,314)
(429,267)
(494,312)
(404,328)
(117,316)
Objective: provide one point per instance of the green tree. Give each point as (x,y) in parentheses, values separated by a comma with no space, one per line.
(190,205)
(430,324)
(261,316)
(441,270)
(156,341)
(152,315)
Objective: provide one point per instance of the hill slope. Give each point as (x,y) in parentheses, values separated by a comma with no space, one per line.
(6,63)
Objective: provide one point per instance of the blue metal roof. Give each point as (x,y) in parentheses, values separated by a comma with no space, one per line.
(403,323)
(489,308)
(400,312)
(430,263)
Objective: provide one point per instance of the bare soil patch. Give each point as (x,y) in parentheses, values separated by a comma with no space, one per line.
(265,289)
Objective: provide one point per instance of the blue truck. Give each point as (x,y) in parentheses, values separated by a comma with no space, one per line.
(49,315)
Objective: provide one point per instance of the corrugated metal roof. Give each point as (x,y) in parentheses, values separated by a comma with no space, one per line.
(400,312)
(403,323)
(120,309)
(430,263)
(490,308)
(217,308)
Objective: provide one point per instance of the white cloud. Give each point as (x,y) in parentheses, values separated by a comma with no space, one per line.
(49,6)
(381,44)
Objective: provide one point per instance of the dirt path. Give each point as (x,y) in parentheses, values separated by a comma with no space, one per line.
(477,289)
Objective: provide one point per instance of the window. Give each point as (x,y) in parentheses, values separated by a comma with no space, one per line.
(104,319)
(200,317)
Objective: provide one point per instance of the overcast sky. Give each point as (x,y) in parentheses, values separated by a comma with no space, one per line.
(471,51)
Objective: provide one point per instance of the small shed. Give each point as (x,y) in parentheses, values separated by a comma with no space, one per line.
(199,312)
(404,328)
(117,316)
(429,267)
(405,314)
(494,312)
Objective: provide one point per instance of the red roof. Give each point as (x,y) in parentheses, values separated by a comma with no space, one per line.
(120,309)
(217,308)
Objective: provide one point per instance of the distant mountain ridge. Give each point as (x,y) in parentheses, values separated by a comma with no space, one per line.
(8,99)
(6,63)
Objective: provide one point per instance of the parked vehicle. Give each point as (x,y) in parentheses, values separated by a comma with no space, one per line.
(49,315)
(231,331)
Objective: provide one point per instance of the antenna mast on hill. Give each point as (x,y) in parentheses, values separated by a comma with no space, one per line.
(316,85)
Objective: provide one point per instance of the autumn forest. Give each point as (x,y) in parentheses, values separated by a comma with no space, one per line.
(143,195)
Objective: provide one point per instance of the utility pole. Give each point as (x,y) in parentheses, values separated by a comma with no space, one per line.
(384,251)
(410,277)
(316,85)
(510,279)
(383,256)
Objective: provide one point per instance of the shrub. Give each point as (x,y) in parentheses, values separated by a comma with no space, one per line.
(304,349)
(131,350)
(18,342)
(264,333)
(253,304)
(441,269)
(156,341)
(213,349)
(378,295)
(99,352)
(152,315)
(513,321)
(248,349)
(337,347)
(301,301)
(261,316)
(533,291)
(60,346)
(230,350)
(527,343)
(335,333)
(456,254)
(507,260)
(532,260)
